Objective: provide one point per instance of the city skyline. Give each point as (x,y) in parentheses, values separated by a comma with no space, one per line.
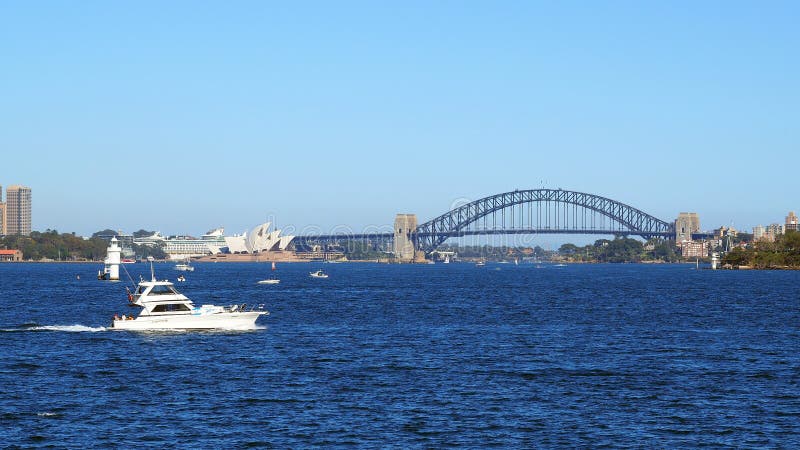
(684,225)
(348,114)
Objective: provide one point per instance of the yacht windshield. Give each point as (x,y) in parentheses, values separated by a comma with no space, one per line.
(161,289)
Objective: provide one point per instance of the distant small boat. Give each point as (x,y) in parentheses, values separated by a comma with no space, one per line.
(272,279)
(480,263)
(560,265)
(181,278)
(184,266)
(127,261)
(318,274)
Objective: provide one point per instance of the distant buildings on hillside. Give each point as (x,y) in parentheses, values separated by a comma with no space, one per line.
(775,230)
(258,240)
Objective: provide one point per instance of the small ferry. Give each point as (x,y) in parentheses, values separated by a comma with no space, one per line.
(164,308)
(318,274)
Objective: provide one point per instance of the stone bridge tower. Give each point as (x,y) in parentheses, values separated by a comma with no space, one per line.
(404,226)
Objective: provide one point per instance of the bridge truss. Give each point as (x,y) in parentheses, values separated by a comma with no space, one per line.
(536,211)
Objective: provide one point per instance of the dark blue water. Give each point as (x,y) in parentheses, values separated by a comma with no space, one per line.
(409,356)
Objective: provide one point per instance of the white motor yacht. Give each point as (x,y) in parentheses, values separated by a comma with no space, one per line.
(318,274)
(164,308)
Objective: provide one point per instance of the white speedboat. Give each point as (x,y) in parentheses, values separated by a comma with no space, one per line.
(184,266)
(164,308)
(318,274)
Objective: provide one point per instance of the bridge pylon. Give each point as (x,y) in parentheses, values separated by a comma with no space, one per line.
(405,225)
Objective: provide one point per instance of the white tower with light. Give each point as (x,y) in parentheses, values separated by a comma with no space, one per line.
(113,260)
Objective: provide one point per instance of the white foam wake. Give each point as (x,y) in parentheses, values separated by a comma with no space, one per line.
(69,328)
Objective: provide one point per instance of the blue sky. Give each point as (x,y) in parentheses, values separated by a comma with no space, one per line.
(183,116)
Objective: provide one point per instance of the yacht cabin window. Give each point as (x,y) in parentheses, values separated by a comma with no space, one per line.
(171,308)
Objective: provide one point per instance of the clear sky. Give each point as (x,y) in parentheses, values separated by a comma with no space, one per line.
(184,116)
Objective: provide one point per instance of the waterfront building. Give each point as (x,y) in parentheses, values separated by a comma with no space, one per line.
(18,210)
(685,225)
(10,256)
(791,222)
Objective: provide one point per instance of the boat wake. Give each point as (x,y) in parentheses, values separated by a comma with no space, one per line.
(69,328)
(63,328)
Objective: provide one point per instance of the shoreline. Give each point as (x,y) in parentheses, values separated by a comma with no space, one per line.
(295,259)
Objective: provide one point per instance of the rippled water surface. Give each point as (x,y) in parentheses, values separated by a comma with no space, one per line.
(409,356)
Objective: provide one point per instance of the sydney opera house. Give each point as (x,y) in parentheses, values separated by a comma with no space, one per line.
(256,241)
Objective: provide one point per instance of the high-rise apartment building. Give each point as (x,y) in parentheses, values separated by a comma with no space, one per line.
(18,210)
(2,214)
(758,232)
(2,219)
(791,222)
(773,231)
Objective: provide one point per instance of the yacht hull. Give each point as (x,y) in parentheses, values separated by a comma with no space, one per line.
(220,321)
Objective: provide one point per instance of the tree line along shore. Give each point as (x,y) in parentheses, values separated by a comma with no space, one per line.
(783,253)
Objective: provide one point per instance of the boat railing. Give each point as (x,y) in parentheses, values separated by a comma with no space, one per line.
(243,308)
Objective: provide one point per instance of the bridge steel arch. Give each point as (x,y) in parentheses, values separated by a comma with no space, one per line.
(457,222)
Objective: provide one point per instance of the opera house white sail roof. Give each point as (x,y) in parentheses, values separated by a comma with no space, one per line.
(258,240)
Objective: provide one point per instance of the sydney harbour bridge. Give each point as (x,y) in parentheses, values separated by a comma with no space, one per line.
(534,211)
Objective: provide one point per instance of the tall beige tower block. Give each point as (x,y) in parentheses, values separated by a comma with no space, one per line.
(18,210)
(2,214)
(404,226)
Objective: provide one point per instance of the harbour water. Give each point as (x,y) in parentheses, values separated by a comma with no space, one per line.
(409,356)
